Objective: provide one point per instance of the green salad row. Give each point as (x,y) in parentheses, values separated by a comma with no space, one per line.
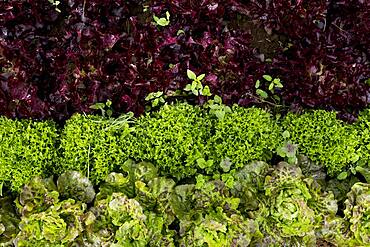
(181,140)
(254,205)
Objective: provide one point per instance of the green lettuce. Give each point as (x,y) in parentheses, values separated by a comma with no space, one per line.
(357,213)
(244,135)
(249,183)
(131,209)
(293,208)
(155,196)
(60,224)
(126,183)
(209,215)
(120,221)
(215,228)
(27,149)
(91,145)
(9,221)
(72,184)
(172,138)
(37,196)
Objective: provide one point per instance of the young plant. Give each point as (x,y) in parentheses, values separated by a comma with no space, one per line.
(272,84)
(163,21)
(105,108)
(217,108)
(288,150)
(367,81)
(196,86)
(354,169)
(156,98)
(55,3)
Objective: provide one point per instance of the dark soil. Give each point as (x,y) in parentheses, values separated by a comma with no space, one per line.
(267,43)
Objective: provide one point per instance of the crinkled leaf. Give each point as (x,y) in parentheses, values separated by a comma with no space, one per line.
(72,184)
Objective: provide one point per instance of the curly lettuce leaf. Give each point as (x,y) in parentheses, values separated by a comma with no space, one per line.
(8,222)
(216,228)
(72,184)
(357,212)
(293,208)
(248,184)
(59,224)
(36,196)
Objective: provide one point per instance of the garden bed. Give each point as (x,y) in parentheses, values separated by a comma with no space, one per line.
(184,123)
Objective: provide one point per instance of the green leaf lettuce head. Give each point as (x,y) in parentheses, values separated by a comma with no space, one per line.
(248,184)
(323,138)
(72,184)
(8,222)
(357,212)
(126,183)
(127,221)
(244,135)
(91,145)
(37,196)
(155,196)
(131,209)
(172,139)
(293,208)
(209,215)
(27,149)
(150,232)
(218,229)
(59,225)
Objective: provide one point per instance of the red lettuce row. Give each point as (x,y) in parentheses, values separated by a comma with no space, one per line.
(57,63)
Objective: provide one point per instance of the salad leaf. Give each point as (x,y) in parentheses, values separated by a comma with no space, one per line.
(60,224)
(357,212)
(72,184)
(9,221)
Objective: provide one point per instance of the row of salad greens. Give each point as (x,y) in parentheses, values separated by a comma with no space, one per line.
(253,205)
(182,140)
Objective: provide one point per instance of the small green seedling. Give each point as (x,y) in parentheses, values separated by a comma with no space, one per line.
(288,150)
(364,171)
(105,108)
(196,86)
(55,3)
(368,81)
(156,98)
(163,21)
(217,108)
(272,83)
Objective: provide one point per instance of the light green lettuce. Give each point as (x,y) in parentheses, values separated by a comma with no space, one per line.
(357,213)
(59,225)
(293,208)
(9,221)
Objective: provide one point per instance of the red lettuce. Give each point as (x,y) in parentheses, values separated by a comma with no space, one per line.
(57,63)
